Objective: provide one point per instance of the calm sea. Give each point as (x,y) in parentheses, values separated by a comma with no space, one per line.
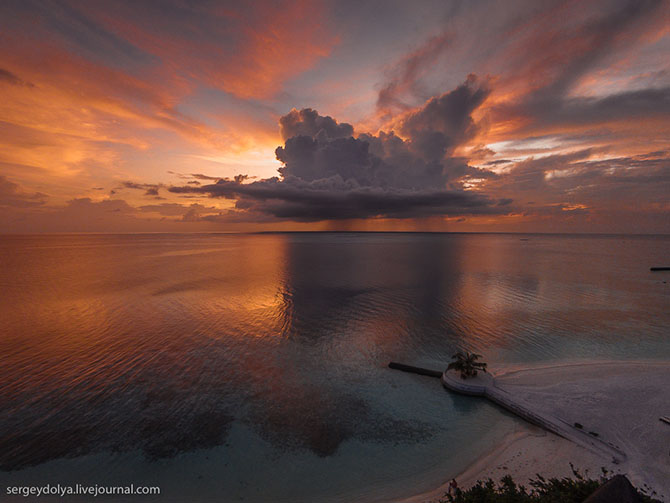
(253,367)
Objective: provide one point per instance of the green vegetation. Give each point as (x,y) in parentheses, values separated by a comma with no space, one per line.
(467,364)
(565,490)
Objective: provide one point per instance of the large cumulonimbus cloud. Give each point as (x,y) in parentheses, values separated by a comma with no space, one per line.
(329,172)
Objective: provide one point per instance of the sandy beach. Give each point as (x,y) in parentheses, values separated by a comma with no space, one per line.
(619,401)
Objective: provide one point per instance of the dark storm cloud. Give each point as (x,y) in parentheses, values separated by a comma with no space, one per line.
(308,122)
(421,161)
(445,121)
(335,198)
(328,173)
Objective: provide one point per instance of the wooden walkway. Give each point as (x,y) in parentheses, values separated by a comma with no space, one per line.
(485,385)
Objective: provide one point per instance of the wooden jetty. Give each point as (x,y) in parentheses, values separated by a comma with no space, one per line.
(415,370)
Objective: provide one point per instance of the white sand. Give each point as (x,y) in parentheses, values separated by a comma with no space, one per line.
(621,401)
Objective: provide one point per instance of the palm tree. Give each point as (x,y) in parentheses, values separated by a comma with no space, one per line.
(467,364)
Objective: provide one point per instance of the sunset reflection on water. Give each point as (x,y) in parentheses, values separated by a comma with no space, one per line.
(170,344)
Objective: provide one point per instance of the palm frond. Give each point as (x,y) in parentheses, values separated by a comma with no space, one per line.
(467,364)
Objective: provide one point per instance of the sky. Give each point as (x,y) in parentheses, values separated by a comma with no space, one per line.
(214,116)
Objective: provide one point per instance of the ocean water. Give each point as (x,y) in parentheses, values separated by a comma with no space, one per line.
(253,367)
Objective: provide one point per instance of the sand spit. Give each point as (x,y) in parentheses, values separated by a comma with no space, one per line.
(620,402)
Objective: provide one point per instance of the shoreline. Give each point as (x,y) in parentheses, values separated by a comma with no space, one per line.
(600,394)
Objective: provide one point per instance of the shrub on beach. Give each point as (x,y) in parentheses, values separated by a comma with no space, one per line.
(553,490)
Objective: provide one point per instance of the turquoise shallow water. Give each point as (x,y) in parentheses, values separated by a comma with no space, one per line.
(253,367)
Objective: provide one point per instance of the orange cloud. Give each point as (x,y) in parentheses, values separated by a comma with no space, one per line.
(78,122)
(246,50)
